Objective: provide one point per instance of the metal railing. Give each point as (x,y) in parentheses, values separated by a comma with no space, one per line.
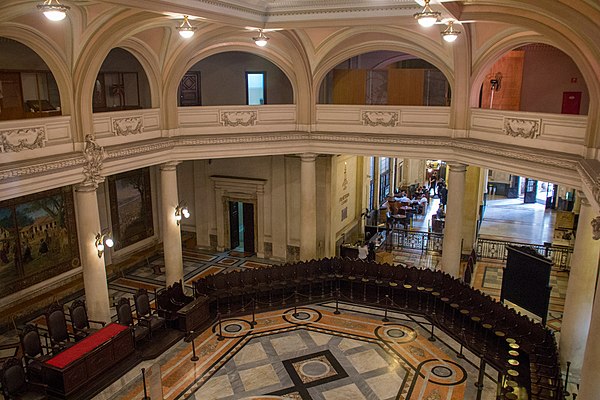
(496,250)
(425,242)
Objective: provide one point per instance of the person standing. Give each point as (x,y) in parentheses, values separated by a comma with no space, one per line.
(443,193)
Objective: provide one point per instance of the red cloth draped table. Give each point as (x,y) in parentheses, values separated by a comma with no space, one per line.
(74,367)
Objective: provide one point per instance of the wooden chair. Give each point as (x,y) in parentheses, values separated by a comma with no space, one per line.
(34,353)
(15,384)
(144,311)
(140,330)
(80,321)
(58,331)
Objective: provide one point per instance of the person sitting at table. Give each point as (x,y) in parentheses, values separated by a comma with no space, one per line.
(422,204)
(403,198)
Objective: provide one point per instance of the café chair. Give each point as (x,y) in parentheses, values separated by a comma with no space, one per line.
(144,311)
(15,384)
(139,331)
(33,351)
(80,321)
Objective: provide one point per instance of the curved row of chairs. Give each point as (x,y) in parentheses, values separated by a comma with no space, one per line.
(479,322)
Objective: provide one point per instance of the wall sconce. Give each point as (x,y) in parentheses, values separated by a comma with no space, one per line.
(53,10)
(102,240)
(181,210)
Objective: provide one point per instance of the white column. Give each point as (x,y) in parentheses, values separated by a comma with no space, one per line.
(454,215)
(94,270)
(590,370)
(171,233)
(580,293)
(308,204)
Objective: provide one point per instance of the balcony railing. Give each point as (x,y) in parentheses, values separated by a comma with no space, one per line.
(425,242)
(496,250)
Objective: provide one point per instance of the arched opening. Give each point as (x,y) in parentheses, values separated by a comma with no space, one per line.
(234,78)
(27,87)
(385,78)
(121,84)
(535,77)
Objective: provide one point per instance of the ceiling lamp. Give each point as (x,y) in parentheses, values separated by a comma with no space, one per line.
(450,34)
(427,17)
(53,10)
(186,30)
(261,39)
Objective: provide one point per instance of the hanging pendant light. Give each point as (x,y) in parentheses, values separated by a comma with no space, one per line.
(261,39)
(427,17)
(53,10)
(450,34)
(186,30)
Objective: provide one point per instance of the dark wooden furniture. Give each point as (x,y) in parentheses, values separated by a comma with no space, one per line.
(80,321)
(15,384)
(194,314)
(75,367)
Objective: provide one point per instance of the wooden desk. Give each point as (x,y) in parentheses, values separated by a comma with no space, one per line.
(194,314)
(73,368)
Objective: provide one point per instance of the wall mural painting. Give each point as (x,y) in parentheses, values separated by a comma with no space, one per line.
(131,207)
(38,238)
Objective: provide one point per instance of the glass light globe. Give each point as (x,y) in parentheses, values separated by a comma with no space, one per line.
(109,242)
(427,21)
(100,246)
(450,37)
(55,15)
(186,34)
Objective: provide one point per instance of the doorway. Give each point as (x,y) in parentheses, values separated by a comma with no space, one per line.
(241,227)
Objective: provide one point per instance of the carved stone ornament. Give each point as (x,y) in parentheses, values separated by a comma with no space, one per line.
(15,140)
(94,156)
(596,228)
(127,126)
(238,118)
(380,118)
(525,128)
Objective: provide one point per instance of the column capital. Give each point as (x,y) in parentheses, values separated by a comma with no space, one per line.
(169,166)
(308,157)
(457,167)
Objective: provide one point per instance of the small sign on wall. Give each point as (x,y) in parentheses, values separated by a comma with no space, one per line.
(344,213)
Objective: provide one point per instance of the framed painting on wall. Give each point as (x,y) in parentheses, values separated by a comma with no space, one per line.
(38,238)
(131,207)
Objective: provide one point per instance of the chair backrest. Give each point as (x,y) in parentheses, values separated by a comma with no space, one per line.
(13,378)
(57,323)
(78,313)
(124,315)
(30,341)
(142,303)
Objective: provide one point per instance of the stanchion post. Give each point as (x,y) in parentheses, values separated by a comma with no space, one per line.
(479,384)
(432,337)
(253,323)
(220,335)
(146,397)
(194,356)
(565,390)
(337,300)
(385,313)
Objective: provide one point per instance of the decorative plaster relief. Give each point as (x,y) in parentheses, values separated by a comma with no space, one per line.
(596,228)
(525,128)
(382,118)
(127,126)
(94,156)
(15,140)
(238,118)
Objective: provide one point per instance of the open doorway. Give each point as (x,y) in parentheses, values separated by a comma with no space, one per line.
(241,227)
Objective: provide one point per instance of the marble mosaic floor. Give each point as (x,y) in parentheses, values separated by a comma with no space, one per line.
(315,354)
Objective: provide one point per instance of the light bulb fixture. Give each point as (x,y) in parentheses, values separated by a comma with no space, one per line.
(102,241)
(181,211)
(450,34)
(53,10)
(186,30)
(427,17)
(261,40)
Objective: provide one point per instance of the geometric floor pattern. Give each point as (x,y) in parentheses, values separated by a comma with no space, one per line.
(314,354)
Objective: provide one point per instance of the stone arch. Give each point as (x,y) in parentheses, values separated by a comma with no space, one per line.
(50,53)
(149,63)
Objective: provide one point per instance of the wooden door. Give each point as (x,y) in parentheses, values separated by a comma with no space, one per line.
(405,87)
(530,191)
(571,103)
(349,86)
(11,97)
(234,225)
(248,216)
(189,90)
